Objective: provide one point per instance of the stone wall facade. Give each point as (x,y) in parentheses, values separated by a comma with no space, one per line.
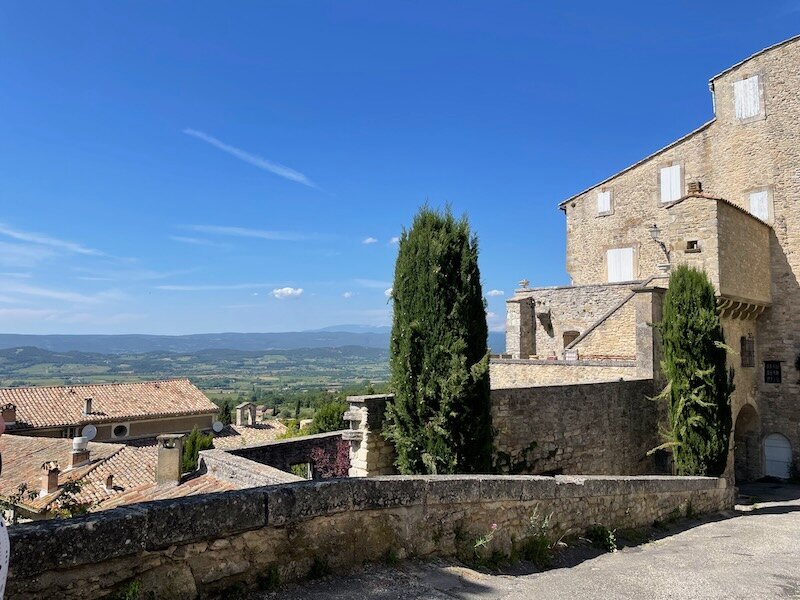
(216,544)
(511,373)
(754,262)
(602,428)
(284,454)
(538,318)
(620,344)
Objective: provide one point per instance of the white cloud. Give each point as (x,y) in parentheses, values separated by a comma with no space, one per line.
(27,313)
(282,236)
(62,295)
(22,255)
(17,275)
(387,292)
(257,161)
(196,241)
(369,240)
(101,319)
(45,240)
(394,240)
(347,295)
(213,287)
(372,283)
(495,293)
(287,292)
(127,274)
(491,315)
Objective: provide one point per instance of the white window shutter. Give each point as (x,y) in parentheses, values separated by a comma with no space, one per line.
(747,97)
(603,202)
(620,264)
(759,205)
(671,188)
(675,181)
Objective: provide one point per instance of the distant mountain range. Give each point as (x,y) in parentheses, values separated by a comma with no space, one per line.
(329,337)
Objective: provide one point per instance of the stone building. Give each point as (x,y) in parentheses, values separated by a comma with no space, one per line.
(119,412)
(724,198)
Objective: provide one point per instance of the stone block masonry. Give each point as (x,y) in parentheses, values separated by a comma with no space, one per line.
(284,454)
(602,428)
(206,546)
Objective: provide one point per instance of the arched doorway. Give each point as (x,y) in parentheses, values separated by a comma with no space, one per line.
(777,456)
(746,451)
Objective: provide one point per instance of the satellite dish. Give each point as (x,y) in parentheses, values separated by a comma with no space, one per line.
(89,432)
(217,426)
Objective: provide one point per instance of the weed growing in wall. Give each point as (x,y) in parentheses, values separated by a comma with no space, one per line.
(539,545)
(602,537)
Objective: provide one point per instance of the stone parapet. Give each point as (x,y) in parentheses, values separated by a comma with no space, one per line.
(206,545)
(370,453)
(284,454)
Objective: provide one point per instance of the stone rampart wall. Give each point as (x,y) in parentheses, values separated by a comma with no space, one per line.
(218,544)
(282,454)
(601,428)
(510,373)
(557,310)
(241,471)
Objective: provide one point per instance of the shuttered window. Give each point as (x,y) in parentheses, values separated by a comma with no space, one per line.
(747,98)
(671,183)
(748,352)
(759,205)
(620,264)
(603,203)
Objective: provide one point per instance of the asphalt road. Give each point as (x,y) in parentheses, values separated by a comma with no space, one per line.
(752,554)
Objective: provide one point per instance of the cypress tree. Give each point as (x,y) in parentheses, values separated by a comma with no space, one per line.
(192,445)
(699,386)
(439,420)
(225,412)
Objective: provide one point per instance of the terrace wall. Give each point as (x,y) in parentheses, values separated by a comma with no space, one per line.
(214,544)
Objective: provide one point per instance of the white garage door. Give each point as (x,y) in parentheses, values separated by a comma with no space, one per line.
(777,456)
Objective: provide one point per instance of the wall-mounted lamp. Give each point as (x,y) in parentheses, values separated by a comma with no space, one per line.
(655,233)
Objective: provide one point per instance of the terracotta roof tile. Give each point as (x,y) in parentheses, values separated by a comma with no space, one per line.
(62,406)
(132,467)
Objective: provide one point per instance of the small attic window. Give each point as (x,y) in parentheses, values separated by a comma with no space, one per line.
(747,98)
(693,246)
(604,203)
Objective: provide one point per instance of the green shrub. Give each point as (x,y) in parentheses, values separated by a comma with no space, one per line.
(538,545)
(328,417)
(602,537)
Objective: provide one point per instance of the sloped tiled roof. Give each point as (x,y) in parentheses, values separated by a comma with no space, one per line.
(62,406)
(133,469)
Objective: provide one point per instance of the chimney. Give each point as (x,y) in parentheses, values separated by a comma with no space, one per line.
(110,482)
(87,406)
(80,452)
(9,413)
(170,457)
(694,187)
(49,478)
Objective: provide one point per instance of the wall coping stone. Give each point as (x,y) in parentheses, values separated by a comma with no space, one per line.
(287,441)
(58,544)
(564,363)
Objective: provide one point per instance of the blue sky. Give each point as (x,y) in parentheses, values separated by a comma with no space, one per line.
(183,167)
